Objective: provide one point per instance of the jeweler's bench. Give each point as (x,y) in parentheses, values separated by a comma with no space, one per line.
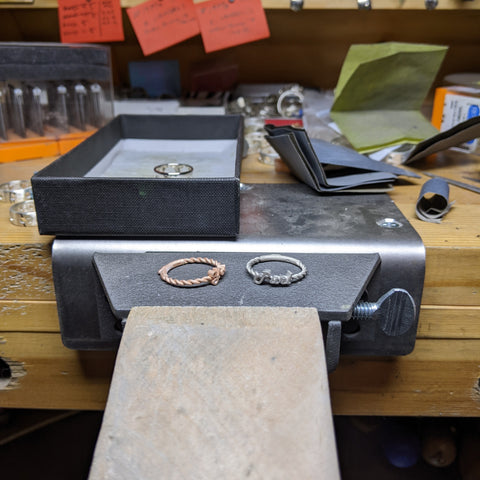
(440,378)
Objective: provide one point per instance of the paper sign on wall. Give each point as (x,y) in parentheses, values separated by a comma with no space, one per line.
(86,21)
(227,23)
(159,24)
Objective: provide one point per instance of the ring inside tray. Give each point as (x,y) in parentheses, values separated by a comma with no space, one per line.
(137,158)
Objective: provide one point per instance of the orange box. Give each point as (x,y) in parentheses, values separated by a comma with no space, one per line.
(25,149)
(39,147)
(70,140)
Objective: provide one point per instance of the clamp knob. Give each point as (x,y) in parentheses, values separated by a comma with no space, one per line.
(395,312)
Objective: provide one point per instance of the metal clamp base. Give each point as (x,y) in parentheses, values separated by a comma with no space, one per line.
(349,256)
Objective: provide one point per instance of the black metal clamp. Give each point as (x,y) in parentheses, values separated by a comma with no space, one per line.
(365,278)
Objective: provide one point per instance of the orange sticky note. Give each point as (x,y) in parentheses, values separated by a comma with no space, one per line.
(159,24)
(86,21)
(226,23)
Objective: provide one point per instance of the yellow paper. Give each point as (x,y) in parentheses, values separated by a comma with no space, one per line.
(380,91)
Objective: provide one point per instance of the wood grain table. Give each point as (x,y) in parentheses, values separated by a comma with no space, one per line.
(440,378)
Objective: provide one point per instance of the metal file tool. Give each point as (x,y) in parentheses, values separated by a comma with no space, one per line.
(464,185)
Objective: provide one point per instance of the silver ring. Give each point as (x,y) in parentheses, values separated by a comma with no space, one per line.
(173,169)
(290,100)
(16,191)
(274,279)
(23,214)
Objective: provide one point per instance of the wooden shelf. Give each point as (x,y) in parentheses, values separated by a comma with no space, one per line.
(285,4)
(441,376)
(376,4)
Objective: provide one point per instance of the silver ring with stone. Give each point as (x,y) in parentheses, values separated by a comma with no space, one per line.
(266,276)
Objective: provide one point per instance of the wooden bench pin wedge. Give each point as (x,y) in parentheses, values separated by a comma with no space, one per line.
(218,393)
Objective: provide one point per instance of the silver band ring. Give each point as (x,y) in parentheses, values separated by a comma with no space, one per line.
(16,191)
(173,169)
(274,279)
(294,91)
(23,214)
(213,276)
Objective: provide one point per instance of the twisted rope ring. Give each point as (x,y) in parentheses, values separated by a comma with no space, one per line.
(213,275)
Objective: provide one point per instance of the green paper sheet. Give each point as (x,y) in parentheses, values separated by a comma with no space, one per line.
(380,91)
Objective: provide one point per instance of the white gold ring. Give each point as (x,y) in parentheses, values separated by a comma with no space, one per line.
(173,169)
(275,279)
(23,214)
(16,191)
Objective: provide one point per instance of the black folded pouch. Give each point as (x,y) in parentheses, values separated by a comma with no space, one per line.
(310,161)
(460,133)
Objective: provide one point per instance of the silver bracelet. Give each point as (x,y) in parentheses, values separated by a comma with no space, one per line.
(16,191)
(173,169)
(274,279)
(23,214)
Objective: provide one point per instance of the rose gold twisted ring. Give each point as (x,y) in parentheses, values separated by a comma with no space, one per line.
(213,275)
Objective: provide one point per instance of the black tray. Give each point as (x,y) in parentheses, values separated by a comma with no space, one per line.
(70,202)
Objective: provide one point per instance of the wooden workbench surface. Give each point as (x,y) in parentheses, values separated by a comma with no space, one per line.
(441,376)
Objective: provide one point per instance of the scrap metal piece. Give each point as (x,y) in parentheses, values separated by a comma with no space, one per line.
(433,202)
(473,179)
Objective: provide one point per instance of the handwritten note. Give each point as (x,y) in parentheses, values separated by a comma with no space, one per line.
(159,24)
(227,23)
(85,21)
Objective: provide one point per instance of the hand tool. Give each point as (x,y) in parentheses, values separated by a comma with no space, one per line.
(466,186)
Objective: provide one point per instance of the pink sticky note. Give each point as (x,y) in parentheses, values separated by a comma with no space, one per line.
(159,24)
(87,21)
(227,23)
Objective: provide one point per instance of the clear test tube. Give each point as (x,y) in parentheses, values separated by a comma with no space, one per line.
(61,109)
(18,117)
(3,117)
(36,112)
(80,94)
(96,101)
